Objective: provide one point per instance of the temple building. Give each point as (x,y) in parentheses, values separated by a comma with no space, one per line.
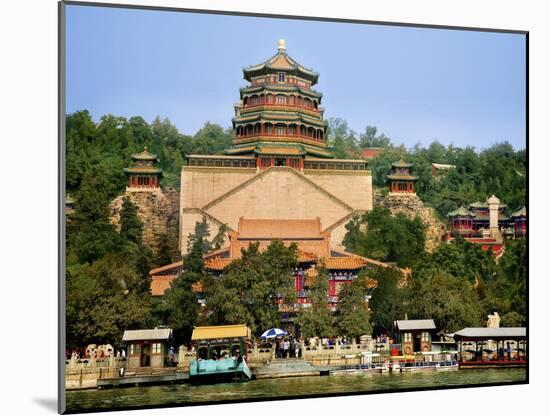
(401,180)
(280,165)
(314,248)
(481,217)
(143,175)
(487,224)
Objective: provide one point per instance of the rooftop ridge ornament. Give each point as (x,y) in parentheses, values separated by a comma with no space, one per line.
(282,45)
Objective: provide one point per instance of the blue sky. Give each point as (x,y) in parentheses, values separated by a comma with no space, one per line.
(413,84)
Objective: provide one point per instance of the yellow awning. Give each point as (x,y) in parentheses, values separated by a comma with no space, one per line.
(220,332)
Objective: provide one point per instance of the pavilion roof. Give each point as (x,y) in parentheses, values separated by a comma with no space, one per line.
(491,333)
(144,169)
(148,334)
(145,155)
(402,176)
(281,62)
(401,163)
(520,212)
(426,324)
(461,211)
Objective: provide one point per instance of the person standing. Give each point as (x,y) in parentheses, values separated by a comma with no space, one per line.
(296,348)
(286,347)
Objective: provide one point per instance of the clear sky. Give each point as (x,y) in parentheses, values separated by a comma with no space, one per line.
(414,84)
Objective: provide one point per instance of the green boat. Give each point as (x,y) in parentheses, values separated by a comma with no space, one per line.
(220,354)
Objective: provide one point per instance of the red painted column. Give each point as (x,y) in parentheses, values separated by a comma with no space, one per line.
(332,288)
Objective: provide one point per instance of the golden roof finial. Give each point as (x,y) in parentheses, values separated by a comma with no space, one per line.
(144,148)
(282,45)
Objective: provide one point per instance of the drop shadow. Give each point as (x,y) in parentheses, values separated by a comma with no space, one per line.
(48,403)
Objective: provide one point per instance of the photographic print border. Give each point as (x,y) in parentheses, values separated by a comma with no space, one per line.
(61,192)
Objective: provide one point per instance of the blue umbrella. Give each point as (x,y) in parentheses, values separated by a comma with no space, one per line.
(272,333)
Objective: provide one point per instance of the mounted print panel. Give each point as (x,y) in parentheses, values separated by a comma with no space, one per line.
(259,208)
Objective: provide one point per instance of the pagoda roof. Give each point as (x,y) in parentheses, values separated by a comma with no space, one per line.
(144,155)
(285,150)
(280,88)
(461,211)
(147,169)
(319,152)
(402,176)
(520,212)
(401,163)
(263,115)
(281,62)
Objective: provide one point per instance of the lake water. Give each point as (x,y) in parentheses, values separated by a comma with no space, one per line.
(284,387)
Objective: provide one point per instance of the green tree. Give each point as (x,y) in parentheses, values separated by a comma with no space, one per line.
(386,238)
(452,302)
(317,320)
(131,227)
(352,315)
(167,250)
(103,300)
(389,300)
(180,309)
(248,290)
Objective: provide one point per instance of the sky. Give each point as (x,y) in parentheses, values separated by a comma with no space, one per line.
(416,85)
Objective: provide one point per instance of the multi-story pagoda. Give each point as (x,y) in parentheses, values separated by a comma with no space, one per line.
(279,165)
(279,118)
(143,175)
(401,180)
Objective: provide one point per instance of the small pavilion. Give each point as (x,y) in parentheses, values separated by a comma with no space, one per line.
(401,180)
(143,175)
(492,346)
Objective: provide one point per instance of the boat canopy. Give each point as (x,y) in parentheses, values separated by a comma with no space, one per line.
(487,333)
(221,332)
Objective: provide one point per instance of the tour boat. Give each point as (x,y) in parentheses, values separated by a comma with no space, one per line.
(432,361)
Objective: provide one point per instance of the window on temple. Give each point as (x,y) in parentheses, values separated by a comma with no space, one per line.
(280,130)
(281,77)
(281,100)
(132,349)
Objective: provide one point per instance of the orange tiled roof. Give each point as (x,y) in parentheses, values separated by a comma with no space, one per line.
(345,262)
(176,266)
(217,264)
(197,287)
(160,284)
(304,256)
(283,229)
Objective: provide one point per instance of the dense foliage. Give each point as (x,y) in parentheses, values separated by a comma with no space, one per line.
(379,235)
(108,267)
(499,170)
(247,290)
